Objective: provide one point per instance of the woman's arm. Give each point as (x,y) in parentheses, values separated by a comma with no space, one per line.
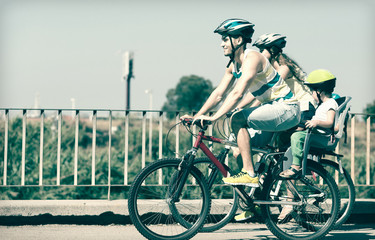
(246,100)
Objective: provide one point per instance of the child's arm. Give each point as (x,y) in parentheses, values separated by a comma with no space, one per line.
(324,124)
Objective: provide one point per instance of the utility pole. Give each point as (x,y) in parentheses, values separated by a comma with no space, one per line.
(128,59)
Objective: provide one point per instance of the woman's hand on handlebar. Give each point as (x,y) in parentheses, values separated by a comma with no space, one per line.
(229,114)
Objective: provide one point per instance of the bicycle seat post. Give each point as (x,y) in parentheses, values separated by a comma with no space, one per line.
(243,195)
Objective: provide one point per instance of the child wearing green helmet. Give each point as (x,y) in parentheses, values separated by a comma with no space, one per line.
(322,84)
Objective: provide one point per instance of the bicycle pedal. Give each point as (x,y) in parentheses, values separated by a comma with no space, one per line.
(288,178)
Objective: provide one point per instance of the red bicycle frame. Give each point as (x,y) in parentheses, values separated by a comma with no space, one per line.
(200,144)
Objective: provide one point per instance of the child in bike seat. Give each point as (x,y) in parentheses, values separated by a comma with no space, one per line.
(322,84)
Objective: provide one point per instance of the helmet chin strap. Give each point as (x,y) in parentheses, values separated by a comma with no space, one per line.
(233,51)
(319,98)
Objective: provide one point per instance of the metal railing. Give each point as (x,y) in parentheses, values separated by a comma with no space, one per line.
(74,117)
(123,125)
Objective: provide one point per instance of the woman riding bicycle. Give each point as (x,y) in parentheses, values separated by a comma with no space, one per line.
(271,46)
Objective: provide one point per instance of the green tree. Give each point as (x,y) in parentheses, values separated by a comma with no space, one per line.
(370,109)
(189,94)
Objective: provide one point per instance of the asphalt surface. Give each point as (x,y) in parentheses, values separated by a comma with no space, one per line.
(231,231)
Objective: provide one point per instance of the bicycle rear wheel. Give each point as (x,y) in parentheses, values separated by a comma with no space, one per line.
(346,188)
(152,210)
(315,212)
(224,199)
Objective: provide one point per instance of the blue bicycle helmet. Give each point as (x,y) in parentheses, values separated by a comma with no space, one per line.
(235,27)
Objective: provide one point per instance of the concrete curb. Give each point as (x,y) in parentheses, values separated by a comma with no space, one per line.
(104,212)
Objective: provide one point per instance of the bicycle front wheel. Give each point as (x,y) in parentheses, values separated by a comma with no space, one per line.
(154,211)
(346,188)
(224,199)
(314,203)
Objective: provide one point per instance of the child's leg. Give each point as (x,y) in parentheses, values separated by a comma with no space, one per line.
(297,142)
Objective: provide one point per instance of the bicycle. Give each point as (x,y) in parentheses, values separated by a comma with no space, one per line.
(217,220)
(228,209)
(315,196)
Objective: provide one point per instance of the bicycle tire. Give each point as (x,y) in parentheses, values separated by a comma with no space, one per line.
(224,199)
(315,217)
(150,206)
(346,207)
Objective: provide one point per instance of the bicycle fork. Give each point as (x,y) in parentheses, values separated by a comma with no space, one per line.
(181,175)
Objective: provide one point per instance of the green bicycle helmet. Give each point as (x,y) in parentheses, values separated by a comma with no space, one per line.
(321,79)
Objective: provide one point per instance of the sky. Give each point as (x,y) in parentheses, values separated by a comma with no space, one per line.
(56,51)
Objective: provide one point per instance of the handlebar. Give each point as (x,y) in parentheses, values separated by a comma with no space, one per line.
(189,121)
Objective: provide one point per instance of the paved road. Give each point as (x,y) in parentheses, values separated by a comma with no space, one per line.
(113,232)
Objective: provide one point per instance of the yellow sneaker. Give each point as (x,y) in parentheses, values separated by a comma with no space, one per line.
(248,214)
(242,178)
(243,216)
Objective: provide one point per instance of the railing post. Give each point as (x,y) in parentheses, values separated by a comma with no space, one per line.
(210,129)
(337,150)
(150,138)
(93,150)
(109,153)
(59,113)
(41,148)
(76,139)
(6,129)
(177,134)
(227,133)
(193,138)
(368,132)
(160,135)
(23,163)
(160,145)
(126,160)
(143,139)
(352,149)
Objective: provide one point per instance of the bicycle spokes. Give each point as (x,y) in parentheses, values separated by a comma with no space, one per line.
(313,201)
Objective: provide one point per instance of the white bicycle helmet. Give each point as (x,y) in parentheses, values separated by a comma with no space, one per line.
(269,40)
